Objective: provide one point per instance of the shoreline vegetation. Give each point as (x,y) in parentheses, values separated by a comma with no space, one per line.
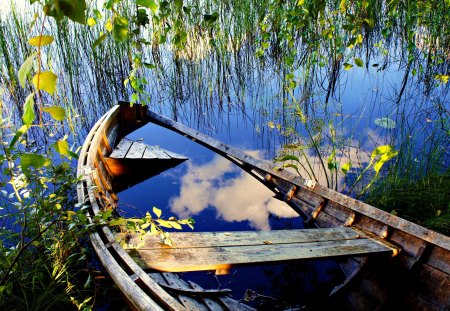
(288,64)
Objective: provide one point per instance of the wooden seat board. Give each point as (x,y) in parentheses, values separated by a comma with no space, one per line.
(121,149)
(222,251)
(136,150)
(156,151)
(240,238)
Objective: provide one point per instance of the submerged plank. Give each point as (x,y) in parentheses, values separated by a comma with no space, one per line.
(212,251)
(136,150)
(157,152)
(121,149)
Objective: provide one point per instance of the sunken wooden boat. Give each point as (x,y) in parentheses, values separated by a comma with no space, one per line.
(388,262)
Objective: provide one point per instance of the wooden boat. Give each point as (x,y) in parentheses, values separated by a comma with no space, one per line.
(413,276)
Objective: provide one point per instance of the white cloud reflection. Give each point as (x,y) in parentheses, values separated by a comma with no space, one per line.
(238,198)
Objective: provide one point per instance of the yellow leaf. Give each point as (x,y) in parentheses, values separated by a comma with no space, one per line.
(62,147)
(57,113)
(381,150)
(109,25)
(164,223)
(157,212)
(91,22)
(45,81)
(40,40)
(153,230)
(175,225)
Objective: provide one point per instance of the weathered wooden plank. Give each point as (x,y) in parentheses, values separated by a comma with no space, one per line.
(158,152)
(216,258)
(136,150)
(435,286)
(235,305)
(440,259)
(212,304)
(189,302)
(121,149)
(148,154)
(174,155)
(241,238)
(112,133)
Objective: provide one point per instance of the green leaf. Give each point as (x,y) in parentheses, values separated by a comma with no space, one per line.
(347,66)
(18,134)
(150,4)
(40,40)
(117,222)
(62,147)
(73,9)
(25,69)
(157,211)
(120,28)
(57,113)
(99,40)
(34,160)
(45,81)
(288,157)
(28,110)
(359,62)
(346,167)
(332,165)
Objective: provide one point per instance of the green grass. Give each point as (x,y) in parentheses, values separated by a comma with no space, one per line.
(425,201)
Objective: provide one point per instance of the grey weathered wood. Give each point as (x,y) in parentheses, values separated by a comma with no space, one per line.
(212,251)
(241,238)
(136,150)
(189,302)
(121,149)
(213,305)
(148,154)
(174,155)
(156,150)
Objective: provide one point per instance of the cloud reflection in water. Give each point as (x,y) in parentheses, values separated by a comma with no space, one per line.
(236,195)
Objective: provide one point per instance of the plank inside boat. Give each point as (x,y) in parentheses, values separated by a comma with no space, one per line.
(197,251)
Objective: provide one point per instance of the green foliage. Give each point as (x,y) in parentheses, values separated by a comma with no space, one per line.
(149,225)
(73,9)
(25,69)
(424,201)
(57,113)
(28,110)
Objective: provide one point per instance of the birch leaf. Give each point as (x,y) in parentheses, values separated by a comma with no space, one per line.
(28,110)
(40,40)
(57,113)
(25,69)
(45,81)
